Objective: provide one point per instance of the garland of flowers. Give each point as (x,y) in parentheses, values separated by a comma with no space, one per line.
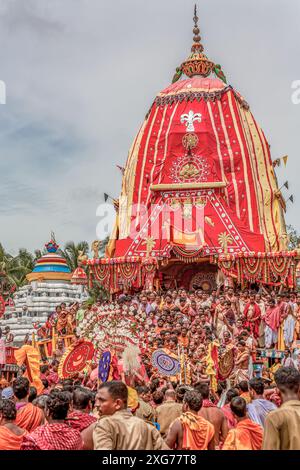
(186,255)
(253,270)
(280,266)
(274,269)
(128,271)
(101,273)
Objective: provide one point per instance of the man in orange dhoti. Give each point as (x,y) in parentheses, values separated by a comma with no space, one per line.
(247,435)
(29,417)
(11,435)
(190,431)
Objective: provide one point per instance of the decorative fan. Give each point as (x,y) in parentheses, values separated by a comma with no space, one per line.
(75,358)
(104,366)
(226,363)
(165,364)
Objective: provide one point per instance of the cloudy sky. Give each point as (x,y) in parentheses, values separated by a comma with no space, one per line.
(81,75)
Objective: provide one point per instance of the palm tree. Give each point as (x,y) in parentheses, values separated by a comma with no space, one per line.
(23,264)
(13,269)
(71,252)
(39,253)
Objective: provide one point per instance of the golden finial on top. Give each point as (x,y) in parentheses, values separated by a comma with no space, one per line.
(197,63)
(197,46)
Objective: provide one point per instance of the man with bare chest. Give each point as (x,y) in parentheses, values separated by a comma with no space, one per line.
(213,414)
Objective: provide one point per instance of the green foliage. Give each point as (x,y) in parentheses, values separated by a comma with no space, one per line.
(98,292)
(13,269)
(294,237)
(71,252)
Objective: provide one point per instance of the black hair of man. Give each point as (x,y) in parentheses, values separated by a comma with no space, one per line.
(154,384)
(21,387)
(180,392)
(68,382)
(203,389)
(243,386)
(141,390)
(238,406)
(44,368)
(194,400)
(117,390)
(158,397)
(174,338)
(8,410)
(41,401)
(69,395)
(58,404)
(257,385)
(32,394)
(287,379)
(81,398)
(242,343)
(45,383)
(231,393)
(68,388)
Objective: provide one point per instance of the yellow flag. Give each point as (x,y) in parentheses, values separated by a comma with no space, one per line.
(285,158)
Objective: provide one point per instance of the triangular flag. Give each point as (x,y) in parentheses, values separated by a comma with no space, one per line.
(276,162)
(291,198)
(285,159)
(286,185)
(106,196)
(121,168)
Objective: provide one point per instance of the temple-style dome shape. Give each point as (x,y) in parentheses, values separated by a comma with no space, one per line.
(201,151)
(51,265)
(50,284)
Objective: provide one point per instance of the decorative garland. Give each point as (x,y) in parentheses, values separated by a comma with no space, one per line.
(101,273)
(162,100)
(273,269)
(187,256)
(128,271)
(120,273)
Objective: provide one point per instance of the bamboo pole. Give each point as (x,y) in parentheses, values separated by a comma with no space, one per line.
(184,365)
(179,359)
(53,340)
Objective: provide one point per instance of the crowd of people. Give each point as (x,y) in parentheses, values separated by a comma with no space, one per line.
(255,406)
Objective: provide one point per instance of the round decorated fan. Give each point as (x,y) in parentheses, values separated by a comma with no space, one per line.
(104,366)
(226,363)
(165,364)
(75,358)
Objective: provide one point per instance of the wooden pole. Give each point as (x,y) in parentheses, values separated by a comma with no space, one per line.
(53,340)
(184,364)
(179,359)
